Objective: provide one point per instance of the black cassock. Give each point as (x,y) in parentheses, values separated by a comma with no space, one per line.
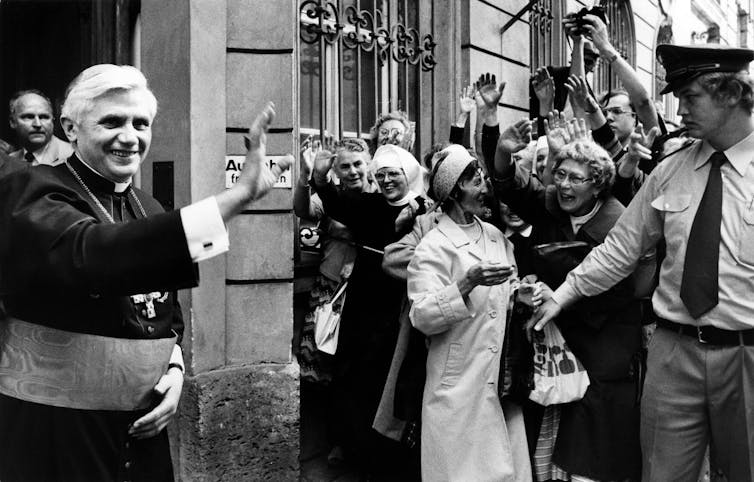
(63,264)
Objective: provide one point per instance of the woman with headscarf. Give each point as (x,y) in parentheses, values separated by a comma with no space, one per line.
(458,281)
(369,320)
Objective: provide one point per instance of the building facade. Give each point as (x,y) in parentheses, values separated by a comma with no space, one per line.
(328,66)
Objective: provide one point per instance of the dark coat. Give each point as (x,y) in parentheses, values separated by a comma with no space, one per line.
(9,165)
(62,264)
(599,435)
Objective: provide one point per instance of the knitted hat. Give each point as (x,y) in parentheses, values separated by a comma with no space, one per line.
(397,157)
(447,172)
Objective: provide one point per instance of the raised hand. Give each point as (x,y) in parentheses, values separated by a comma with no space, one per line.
(556,130)
(639,147)
(578,92)
(596,30)
(306,159)
(515,137)
(578,130)
(544,88)
(322,164)
(466,101)
(489,93)
(258,176)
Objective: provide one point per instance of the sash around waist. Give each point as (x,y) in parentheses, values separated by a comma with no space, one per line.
(76,370)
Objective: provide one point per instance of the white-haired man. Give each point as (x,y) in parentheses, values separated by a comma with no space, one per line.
(31,118)
(90,370)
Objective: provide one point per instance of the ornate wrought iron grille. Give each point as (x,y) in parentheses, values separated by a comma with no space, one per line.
(359,58)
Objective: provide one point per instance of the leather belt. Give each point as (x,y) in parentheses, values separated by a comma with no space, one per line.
(76,370)
(709,334)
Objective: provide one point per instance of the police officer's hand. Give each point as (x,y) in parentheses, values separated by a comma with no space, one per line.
(543,315)
(168,390)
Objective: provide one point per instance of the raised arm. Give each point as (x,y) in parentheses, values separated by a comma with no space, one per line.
(637,92)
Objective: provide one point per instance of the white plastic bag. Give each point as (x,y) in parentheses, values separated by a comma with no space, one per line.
(327,320)
(559,377)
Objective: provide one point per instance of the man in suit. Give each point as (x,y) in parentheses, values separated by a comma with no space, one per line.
(32,119)
(91,369)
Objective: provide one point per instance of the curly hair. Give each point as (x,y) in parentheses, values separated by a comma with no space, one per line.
(598,161)
(397,115)
(723,85)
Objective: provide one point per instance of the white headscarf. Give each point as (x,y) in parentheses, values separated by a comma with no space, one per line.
(399,158)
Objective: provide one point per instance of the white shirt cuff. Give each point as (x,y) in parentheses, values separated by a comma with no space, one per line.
(565,295)
(205,231)
(177,357)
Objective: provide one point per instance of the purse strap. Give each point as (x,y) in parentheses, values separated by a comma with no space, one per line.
(339,292)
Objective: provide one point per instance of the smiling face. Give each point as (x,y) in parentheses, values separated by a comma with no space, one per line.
(113,136)
(574,198)
(391,132)
(32,121)
(471,195)
(700,112)
(351,169)
(392,182)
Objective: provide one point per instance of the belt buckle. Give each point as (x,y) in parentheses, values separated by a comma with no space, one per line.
(699,335)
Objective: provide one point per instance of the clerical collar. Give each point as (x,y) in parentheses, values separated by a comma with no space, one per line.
(95,180)
(525,233)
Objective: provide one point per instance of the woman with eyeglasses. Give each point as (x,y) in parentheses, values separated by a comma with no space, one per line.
(598,436)
(458,282)
(369,320)
(392,128)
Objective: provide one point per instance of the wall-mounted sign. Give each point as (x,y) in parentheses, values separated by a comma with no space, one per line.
(234,165)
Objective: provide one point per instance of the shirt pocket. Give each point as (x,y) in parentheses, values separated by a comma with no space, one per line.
(453,365)
(746,239)
(672,203)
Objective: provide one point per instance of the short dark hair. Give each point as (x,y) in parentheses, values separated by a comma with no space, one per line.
(17,95)
(606,96)
(721,85)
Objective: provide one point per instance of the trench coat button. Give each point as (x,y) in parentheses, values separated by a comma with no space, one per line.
(150,329)
(94,296)
(493,314)
(494,348)
(127,465)
(143,313)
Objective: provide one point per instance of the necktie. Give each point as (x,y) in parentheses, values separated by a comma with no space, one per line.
(29,156)
(700,268)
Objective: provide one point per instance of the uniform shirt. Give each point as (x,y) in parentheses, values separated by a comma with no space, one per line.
(665,207)
(53,153)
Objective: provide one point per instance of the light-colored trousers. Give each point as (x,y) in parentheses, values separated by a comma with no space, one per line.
(695,394)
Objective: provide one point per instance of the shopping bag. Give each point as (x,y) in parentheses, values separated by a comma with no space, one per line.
(327,321)
(559,377)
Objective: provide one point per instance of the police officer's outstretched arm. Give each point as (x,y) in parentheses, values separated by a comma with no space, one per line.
(257,178)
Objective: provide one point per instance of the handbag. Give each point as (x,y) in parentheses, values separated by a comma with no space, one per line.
(559,377)
(327,321)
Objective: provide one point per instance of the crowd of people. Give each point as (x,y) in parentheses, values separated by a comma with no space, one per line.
(445,274)
(453,267)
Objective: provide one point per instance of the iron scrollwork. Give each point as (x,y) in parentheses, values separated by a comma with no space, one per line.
(361,29)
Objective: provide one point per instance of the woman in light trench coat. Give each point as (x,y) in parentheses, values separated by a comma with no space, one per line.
(458,281)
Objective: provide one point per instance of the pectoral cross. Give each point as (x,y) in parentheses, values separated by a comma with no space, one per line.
(148,300)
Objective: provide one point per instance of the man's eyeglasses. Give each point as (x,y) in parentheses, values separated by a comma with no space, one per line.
(617,111)
(559,175)
(387,175)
